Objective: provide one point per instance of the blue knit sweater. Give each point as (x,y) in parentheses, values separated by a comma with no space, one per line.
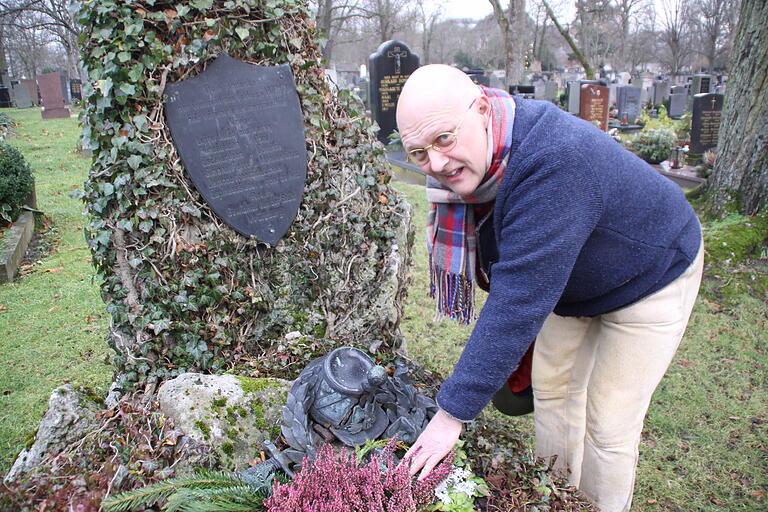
(582,227)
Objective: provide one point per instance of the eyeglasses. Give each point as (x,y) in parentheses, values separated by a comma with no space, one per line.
(444,142)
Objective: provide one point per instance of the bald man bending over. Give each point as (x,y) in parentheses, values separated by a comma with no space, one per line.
(588,250)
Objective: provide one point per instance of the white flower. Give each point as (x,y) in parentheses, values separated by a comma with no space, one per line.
(456,482)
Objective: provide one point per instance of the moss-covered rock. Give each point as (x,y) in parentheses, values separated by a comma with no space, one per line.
(232,415)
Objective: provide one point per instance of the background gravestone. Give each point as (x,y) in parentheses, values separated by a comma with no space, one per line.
(593,106)
(550,91)
(677,105)
(5,98)
(660,92)
(34,93)
(389,67)
(574,95)
(479,77)
(628,103)
(21,96)
(185,291)
(705,121)
(50,92)
(65,92)
(700,84)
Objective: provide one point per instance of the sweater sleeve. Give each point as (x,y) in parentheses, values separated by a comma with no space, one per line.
(544,215)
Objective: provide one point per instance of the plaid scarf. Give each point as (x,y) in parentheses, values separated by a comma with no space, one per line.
(451,238)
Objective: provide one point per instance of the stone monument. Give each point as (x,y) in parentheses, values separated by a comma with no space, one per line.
(593,105)
(21,95)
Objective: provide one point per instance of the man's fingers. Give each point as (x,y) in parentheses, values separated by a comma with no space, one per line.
(429,465)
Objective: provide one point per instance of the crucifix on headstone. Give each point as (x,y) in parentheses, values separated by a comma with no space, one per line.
(397,53)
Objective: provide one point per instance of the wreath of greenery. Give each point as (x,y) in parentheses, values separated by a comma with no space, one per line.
(185,291)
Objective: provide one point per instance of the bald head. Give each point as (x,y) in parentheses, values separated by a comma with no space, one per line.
(441,103)
(435,86)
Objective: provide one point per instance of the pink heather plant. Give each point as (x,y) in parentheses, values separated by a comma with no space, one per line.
(342,484)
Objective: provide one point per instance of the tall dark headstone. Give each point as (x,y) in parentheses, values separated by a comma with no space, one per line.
(700,84)
(524,91)
(705,121)
(5,98)
(50,92)
(593,106)
(34,92)
(389,67)
(75,89)
(21,96)
(239,130)
(628,103)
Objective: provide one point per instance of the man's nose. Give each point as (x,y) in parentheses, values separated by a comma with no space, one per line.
(437,160)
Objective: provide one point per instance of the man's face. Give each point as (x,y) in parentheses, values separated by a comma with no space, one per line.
(462,167)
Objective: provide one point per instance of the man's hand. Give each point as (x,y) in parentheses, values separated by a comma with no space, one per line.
(433,444)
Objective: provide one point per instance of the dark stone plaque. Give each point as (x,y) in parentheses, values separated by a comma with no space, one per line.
(524,91)
(479,77)
(389,68)
(705,121)
(50,92)
(239,130)
(593,106)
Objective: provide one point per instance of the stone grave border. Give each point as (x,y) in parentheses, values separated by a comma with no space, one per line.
(15,244)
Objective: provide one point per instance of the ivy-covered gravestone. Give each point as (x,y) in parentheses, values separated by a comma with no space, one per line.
(184,289)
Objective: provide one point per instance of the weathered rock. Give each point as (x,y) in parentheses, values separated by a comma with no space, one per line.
(231,414)
(71,414)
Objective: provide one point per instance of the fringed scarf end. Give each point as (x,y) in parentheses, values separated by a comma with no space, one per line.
(454,293)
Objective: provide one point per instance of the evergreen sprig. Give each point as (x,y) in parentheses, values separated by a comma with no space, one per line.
(205,491)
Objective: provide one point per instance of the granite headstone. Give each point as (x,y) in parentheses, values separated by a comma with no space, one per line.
(75,89)
(660,92)
(50,91)
(21,96)
(34,92)
(389,67)
(705,121)
(593,105)
(550,91)
(239,130)
(628,103)
(5,97)
(574,95)
(677,105)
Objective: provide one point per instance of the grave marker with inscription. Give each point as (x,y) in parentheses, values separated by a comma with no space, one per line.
(50,91)
(239,130)
(593,106)
(75,89)
(705,121)
(389,68)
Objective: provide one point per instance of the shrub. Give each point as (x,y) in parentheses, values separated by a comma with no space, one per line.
(654,145)
(6,123)
(340,483)
(16,182)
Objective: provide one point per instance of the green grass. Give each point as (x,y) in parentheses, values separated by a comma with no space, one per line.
(52,320)
(705,445)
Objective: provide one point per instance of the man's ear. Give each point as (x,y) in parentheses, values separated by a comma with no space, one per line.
(483,105)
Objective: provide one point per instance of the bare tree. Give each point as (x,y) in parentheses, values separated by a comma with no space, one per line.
(332,16)
(386,16)
(511,25)
(428,19)
(590,72)
(713,21)
(628,16)
(676,35)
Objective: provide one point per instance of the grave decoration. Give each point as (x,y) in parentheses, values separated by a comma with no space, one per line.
(389,67)
(186,291)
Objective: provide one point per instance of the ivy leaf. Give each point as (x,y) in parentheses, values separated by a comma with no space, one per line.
(104,86)
(107,189)
(128,89)
(123,56)
(134,161)
(140,121)
(202,4)
(242,33)
(135,262)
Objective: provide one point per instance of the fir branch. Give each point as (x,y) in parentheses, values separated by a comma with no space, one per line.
(151,494)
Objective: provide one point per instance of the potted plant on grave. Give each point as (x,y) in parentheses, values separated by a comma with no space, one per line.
(654,145)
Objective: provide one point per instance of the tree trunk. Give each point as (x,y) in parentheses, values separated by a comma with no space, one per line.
(740,177)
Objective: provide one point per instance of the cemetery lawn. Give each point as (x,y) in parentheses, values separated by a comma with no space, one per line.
(704,447)
(52,320)
(705,442)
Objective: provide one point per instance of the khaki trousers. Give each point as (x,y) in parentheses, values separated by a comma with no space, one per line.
(592,383)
